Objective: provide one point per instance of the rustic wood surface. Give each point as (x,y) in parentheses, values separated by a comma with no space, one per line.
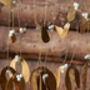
(51,66)
(31,44)
(56,9)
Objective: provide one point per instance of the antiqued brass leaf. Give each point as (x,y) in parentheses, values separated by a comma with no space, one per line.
(85,21)
(9,85)
(71,14)
(3,79)
(83,27)
(25,68)
(43,79)
(15,84)
(44,34)
(62,32)
(68,80)
(7,3)
(77,77)
(13,38)
(84,76)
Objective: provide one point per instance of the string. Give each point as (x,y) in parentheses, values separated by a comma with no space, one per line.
(40,58)
(73,55)
(19,24)
(36,24)
(66,52)
(35,16)
(45,12)
(11,18)
(46,58)
(8,34)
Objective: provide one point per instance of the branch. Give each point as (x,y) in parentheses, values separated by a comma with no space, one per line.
(58,9)
(31,43)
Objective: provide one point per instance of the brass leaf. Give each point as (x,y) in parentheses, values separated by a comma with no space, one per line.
(43,79)
(13,38)
(14,83)
(62,32)
(7,3)
(68,80)
(3,79)
(84,76)
(57,76)
(71,14)
(84,24)
(44,34)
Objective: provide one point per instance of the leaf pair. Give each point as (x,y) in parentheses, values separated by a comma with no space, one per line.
(25,68)
(68,79)
(43,79)
(62,32)
(3,79)
(8,3)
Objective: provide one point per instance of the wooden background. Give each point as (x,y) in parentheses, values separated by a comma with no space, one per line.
(31,43)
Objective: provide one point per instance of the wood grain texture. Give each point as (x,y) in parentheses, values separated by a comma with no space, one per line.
(31,43)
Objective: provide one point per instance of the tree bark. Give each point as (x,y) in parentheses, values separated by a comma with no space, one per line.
(31,44)
(56,9)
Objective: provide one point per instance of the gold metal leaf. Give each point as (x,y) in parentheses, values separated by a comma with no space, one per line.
(71,14)
(57,76)
(25,68)
(7,3)
(62,32)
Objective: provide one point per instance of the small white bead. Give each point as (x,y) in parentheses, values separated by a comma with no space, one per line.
(85,15)
(45,76)
(87,57)
(21,30)
(51,27)
(11,32)
(14,2)
(19,76)
(17,58)
(66,65)
(24,29)
(76,5)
